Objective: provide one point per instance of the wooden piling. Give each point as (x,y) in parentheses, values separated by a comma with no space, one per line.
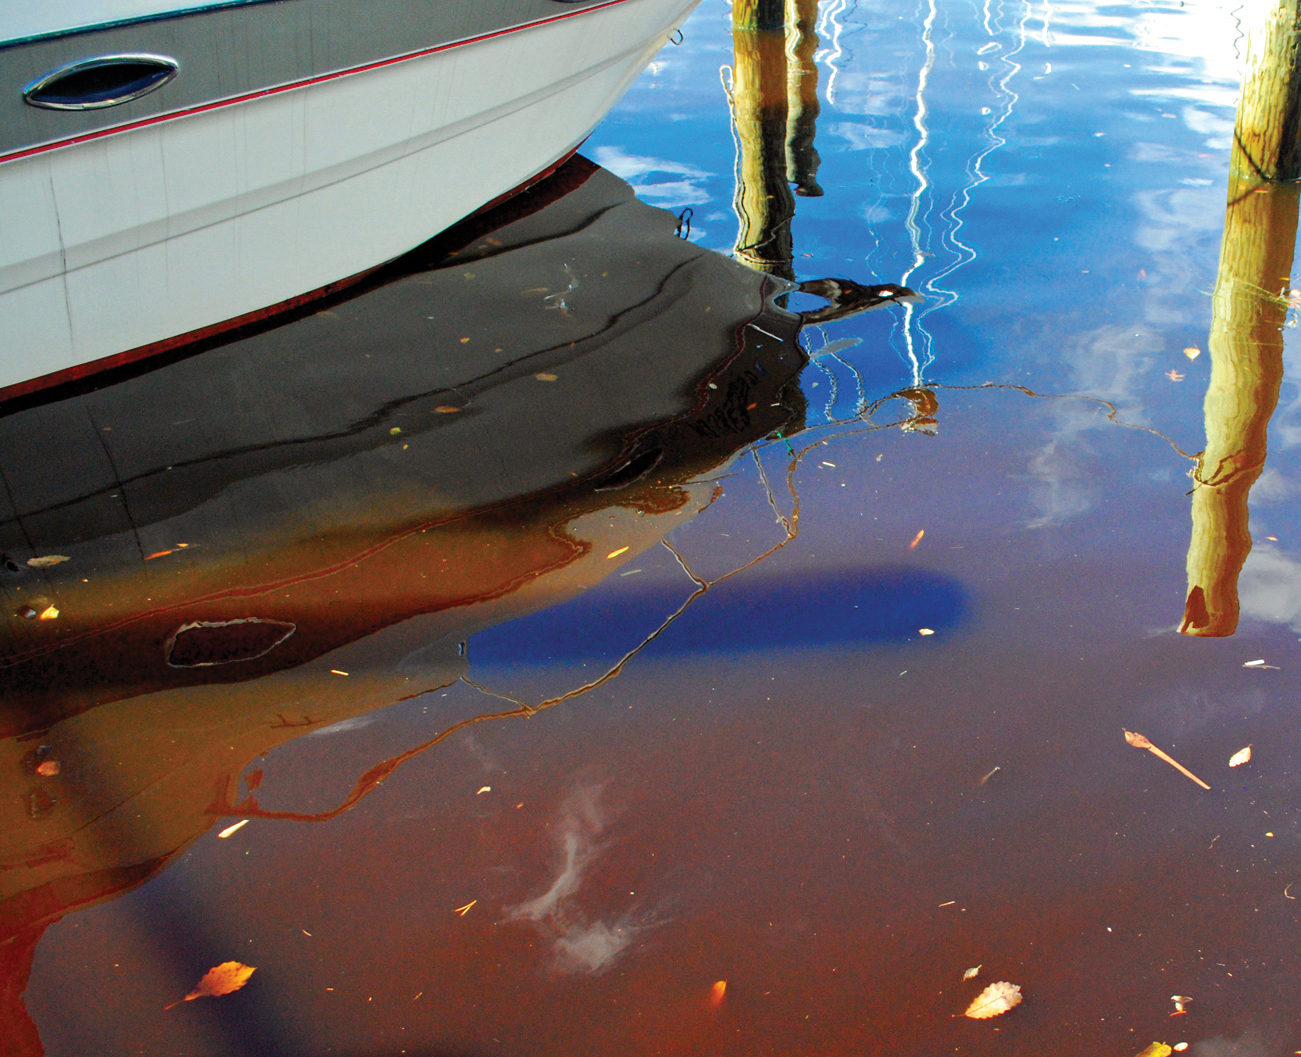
(802,106)
(1249,309)
(764,203)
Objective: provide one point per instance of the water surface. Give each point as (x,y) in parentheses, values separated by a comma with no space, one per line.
(579,625)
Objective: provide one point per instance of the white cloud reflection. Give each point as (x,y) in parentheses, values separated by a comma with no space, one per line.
(635,168)
(1269,588)
(580,944)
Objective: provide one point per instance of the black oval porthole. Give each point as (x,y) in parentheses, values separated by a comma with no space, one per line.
(106,80)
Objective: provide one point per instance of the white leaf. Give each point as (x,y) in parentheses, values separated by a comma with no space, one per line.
(970,974)
(1240,757)
(994,1001)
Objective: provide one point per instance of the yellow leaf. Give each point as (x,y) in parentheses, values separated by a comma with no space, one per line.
(218,981)
(971,973)
(1157,1049)
(994,1001)
(1240,757)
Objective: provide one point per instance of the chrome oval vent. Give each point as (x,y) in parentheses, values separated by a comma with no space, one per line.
(106,80)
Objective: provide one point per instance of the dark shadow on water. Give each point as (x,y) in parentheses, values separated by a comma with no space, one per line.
(829,607)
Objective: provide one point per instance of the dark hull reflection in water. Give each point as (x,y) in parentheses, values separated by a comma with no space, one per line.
(211,559)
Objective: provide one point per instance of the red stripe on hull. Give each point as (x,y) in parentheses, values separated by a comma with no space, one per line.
(306,82)
(283,308)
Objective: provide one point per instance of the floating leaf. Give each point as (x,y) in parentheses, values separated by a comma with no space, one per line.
(1192,352)
(48,769)
(994,1001)
(1240,757)
(46,560)
(218,981)
(971,973)
(717,992)
(1157,1049)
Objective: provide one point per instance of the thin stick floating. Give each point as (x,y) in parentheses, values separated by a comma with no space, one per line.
(1140,742)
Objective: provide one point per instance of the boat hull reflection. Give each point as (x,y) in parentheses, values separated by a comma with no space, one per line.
(209,559)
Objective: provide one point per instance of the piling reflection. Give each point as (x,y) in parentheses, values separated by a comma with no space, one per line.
(208,560)
(802,98)
(1248,313)
(761,113)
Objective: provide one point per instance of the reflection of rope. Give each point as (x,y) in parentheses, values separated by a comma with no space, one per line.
(1113,412)
(375,776)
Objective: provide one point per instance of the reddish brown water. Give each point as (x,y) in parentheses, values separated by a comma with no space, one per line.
(791,820)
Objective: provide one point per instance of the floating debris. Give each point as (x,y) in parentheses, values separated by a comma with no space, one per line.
(221,980)
(1260,665)
(1240,757)
(1140,742)
(972,973)
(46,560)
(1157,1049)
(48,769)
(1181,1002)
(465,909)
(717,992)
(917,539)
(1192,352)
(994,1001)
(232,829)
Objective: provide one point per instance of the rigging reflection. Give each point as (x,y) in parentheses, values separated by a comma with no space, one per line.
(1249,310)
(300,524)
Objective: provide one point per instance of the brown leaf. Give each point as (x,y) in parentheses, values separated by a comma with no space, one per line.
(994,1001)
(218,981)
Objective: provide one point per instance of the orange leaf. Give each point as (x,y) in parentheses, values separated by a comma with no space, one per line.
(218,981)
(994,1001)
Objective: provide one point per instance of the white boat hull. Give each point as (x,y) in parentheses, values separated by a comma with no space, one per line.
(126,242)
